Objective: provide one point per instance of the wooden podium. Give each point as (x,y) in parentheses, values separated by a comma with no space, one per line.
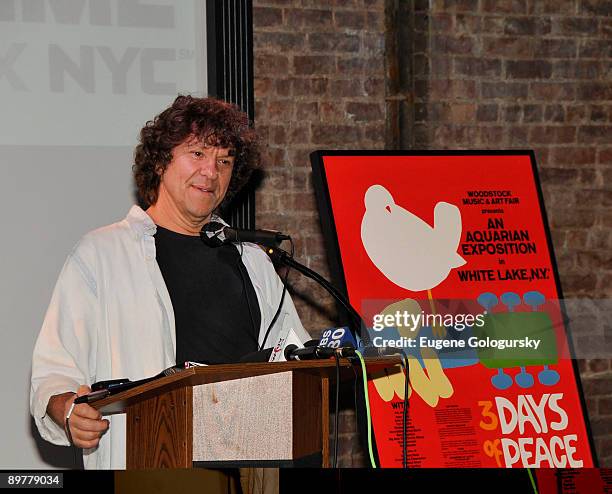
(257,414)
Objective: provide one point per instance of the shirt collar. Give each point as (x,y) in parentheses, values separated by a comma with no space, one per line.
(142,224)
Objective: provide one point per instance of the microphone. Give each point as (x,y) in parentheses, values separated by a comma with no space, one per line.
(102,389)
(292,352)
(215,234)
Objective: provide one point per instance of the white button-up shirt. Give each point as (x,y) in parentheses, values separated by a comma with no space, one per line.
(111,317)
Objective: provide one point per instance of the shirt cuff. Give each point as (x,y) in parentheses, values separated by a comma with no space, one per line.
(48,429)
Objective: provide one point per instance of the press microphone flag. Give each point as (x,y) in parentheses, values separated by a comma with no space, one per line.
(337,338)
(285,338)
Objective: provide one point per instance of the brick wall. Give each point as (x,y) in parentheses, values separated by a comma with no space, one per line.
(530,74)
(473,74)
(319,84)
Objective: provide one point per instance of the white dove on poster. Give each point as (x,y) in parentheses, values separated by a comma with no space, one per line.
(408,251)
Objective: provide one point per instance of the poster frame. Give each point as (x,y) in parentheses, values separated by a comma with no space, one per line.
(332,246)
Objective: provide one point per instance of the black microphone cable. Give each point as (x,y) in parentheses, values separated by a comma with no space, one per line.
(282,299)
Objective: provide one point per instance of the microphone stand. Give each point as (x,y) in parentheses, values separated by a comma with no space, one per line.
(279,255)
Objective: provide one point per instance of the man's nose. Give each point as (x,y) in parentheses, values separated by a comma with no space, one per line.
(209,168)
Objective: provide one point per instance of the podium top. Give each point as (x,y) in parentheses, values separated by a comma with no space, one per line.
(196,376)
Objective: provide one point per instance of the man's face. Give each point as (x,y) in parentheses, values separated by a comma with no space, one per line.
(196,180)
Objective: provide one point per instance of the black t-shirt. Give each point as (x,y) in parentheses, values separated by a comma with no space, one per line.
(215,321)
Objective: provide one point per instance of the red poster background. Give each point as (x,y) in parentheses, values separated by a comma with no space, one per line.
(417,183)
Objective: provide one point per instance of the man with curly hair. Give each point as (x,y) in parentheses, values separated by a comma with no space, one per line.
(140,295)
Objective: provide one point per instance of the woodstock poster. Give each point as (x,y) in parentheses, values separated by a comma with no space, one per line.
(448,258)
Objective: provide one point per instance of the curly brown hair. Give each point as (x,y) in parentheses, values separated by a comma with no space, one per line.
(210,120)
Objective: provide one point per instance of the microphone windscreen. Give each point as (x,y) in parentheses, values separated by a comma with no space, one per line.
(212,234)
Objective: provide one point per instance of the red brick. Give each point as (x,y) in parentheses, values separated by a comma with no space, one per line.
(440,67)
(374,87)
(578,69)
(532,113)
(334,42)
(453,89)
(276,41)
(594,134)
(467,24)
(314,64)
(376,134)
(605,408)
(596,386)
(512,113)
(309,19)
(596,7)
(454,45)
(509,46)
(492,136)
(319,86)
(520,25)
(605,156)
(437,23)
(373,44)
(375,21)
(460,5)
(354,3)
(477,67)
(595,48)
(556,6)
(364,112)
(279,109)
(463,113)
(277,134)
(360,65)
(606,28)
(487,113)
(575,26)
(517,136)
(599,114)
(345,19)
(575,114)
(528,69)
(262,86)
(267,17)
(598,91)
(493,25)
(271,64)
(552,91)
(334,134)
(556,48)
(573,218)
(553,134)
(438,111)
(514,90)
(554,113)
(505,6)
(283,87)
(346,88)
(558,176)
(332,111)
(573,156)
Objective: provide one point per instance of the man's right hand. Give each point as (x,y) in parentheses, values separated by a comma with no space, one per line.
(86,423)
